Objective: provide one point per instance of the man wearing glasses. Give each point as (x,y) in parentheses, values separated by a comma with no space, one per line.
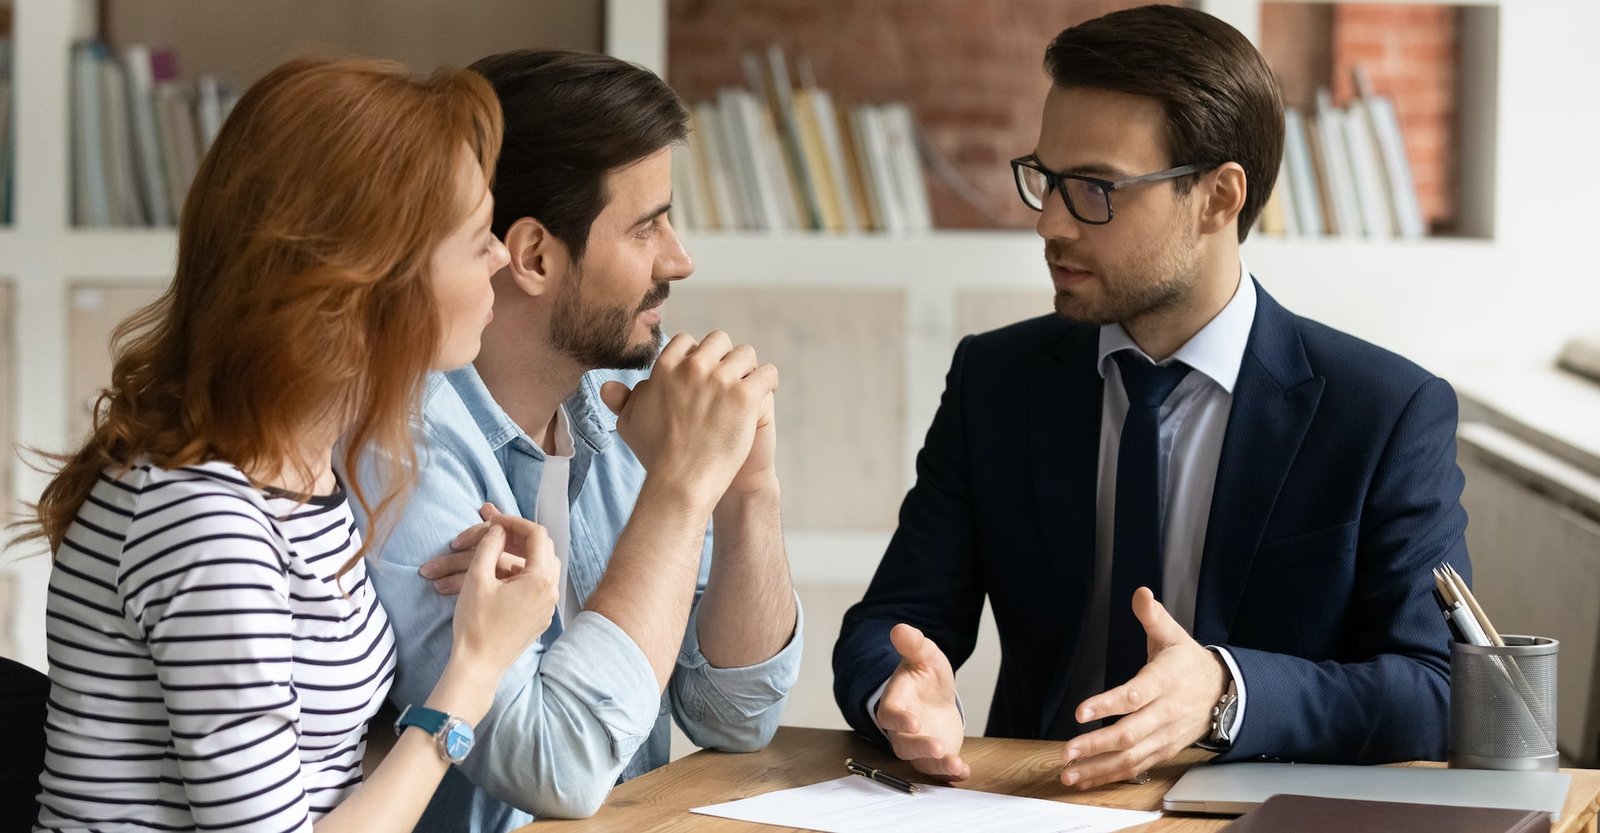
(1197,517)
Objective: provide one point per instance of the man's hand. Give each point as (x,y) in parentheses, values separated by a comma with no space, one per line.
(760,468)
(694,421)
(1166,707)
(918,711)
(449,571)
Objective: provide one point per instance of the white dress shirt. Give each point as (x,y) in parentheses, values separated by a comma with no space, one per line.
(1191,425)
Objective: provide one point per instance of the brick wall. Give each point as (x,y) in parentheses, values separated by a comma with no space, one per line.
(1410,53)
(973,71)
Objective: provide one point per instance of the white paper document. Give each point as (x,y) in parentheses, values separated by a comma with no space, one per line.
(853,804)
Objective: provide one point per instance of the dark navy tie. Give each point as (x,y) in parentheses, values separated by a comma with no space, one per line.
(1136,549)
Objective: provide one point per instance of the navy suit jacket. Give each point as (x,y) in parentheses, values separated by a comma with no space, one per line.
(1336,493)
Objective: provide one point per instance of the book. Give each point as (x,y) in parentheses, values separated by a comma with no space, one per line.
(91,201)
(177,120)
(8,135)
(1307,202)
(1270,220)
(686,198)
(116,139)
(1277,214)
(804,181)
(743,133)
(690,165)
(174,118)
(820,178)
(714,165)
(855,166)
(230,97)
(6,141)
(146,162)
(905,159)
(208,108)
(1372,184)
(1310,814)
(769,151)
(773,171)
(736,161)
(1384,123)
(877,168)
(1340,180)
(1286,184)
(826,118)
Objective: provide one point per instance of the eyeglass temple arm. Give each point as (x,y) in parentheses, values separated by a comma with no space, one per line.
(1170,173)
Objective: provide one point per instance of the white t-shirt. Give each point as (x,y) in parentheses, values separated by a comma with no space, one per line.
(554,510)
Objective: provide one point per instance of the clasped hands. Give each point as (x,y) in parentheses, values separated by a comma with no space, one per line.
(1163,710)
(705,419)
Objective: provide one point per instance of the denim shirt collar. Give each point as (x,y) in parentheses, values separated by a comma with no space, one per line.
(592,422)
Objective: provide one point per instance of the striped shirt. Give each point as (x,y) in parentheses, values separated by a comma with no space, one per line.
(207,671)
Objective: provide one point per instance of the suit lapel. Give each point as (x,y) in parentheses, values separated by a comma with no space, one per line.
(1274,401)
(1064,451)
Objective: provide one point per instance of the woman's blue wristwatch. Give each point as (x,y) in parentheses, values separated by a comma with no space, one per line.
(452,735)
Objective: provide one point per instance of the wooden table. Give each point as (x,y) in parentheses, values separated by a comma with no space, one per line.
(659,802)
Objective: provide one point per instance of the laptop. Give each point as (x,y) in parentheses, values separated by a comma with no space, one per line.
(1237,788)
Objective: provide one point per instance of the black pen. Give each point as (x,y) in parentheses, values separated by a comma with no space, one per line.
(879,775)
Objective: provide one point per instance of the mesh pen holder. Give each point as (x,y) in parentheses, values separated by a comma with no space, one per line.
(1503,704)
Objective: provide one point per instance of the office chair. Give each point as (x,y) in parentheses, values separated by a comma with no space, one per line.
(23,692)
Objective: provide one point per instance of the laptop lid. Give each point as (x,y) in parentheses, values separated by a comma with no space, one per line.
(1238,788)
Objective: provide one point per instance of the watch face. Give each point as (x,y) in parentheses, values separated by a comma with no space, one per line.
(458,740)
(1224,725)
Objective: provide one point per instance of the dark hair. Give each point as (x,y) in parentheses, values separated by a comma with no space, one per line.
(570,118)
(1221,100)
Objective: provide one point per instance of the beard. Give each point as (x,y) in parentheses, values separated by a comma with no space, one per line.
(1158,282)
(599,337)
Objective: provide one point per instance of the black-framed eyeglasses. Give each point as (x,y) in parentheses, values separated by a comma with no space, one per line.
(1088,198)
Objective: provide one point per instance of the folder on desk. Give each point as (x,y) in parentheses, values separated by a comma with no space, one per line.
(1239,788)
(1313,814)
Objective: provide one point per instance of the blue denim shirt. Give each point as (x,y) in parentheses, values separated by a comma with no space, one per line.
(578,712)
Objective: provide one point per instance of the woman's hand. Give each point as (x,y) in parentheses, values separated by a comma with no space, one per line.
(448,572)
(504,605)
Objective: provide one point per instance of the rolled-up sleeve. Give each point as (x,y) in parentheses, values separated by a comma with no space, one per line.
(564,724)
(733,709)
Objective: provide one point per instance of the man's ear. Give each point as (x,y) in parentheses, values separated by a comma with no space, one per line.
(538,259)
(1223,192)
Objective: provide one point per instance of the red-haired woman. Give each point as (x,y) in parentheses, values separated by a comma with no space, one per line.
(216,649)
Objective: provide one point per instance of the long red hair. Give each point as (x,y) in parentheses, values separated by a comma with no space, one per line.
(302,289)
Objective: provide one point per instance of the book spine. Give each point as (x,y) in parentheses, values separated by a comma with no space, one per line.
(150,176)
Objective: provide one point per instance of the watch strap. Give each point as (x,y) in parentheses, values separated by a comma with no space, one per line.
(428,720)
